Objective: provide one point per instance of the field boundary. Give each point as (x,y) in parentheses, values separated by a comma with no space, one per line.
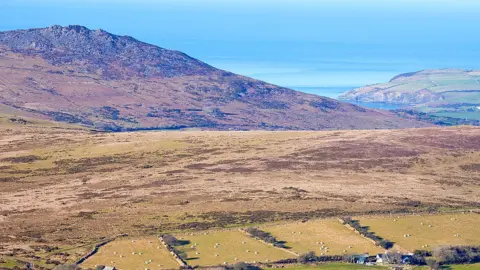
(172,251)
(348,226)
(96,248)
(242,230)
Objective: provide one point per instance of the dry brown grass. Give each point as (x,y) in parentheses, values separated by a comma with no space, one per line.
(150,182)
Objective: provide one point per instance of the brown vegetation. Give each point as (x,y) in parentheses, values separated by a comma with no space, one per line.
(83,186)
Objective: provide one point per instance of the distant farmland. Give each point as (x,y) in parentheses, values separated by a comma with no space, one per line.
(233,246)
(325,237)
(134,253)
(427,231)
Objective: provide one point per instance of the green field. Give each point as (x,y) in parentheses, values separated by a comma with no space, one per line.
(431,88)
(437,230)
(454,267)
(334,266)
(233,246)
(309,236)
(463,115)
(133,254)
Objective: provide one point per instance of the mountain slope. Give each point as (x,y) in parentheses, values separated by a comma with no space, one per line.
(443,86)
(112,82)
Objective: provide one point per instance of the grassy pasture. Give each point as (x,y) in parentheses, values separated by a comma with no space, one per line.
(442,231)
(336,266)
(475,266)
(232,248)
(150,249)
(303,237)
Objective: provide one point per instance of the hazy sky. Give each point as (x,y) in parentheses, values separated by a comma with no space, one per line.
(289,42)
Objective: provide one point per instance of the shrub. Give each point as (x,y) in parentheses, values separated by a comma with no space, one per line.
(433,265)
(386,244)
(457,254)
(308,257)
(265,236)
(244,266)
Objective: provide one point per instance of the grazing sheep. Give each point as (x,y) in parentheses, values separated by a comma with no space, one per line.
(248,250)
(256,252)
(349,246)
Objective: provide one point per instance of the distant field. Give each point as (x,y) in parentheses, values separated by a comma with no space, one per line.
(466,115)
(453,267)
(308,236)
(431,88)
(120,254)
(233,247)
(437,230)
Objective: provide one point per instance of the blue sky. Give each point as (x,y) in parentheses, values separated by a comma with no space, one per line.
(314,43)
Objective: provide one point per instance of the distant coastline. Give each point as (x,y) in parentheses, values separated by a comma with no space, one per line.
(336,91)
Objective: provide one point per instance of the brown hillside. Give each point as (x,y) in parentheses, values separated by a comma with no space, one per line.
(111,82)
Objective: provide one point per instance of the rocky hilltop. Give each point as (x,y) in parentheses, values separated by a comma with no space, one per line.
(431,87)
(112,82)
